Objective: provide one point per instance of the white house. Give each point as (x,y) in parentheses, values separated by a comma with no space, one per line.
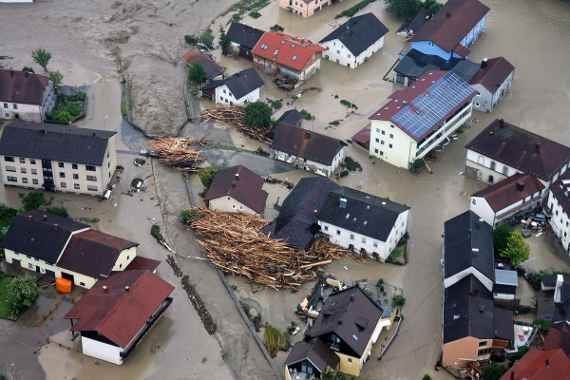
(236,189)
(66,249)
(558,207)
(25,95)
(238,89)
(420,117)
(307,150)
(499,202)
(492,82)
(502,150)
(364,223)
(355,41)
(116,314)
(57,157)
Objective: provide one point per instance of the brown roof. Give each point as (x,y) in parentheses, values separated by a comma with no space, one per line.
(316,351)
(493,73)
(143,263)
(510,190)
(93,253)
(211,68)
(285,50)
(452,23)
(521,149)
(306,144)
(22,87)
(241,184)
(119,307)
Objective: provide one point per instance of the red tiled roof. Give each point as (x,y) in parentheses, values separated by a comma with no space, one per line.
(362,137)
(493,73)
(510,190)
(285,50)
(143,263)
(452,23)
(22,87)
(540,365)
(116,313)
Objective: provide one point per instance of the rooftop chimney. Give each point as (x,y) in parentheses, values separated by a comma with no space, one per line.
(237,176)
(520,185)
(342,202)
(484,63)
(105,288)
(547,363)
(127,288)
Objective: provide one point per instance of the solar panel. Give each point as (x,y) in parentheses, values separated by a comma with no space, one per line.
(428,109)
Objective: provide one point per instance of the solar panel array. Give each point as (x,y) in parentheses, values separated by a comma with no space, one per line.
(428,109)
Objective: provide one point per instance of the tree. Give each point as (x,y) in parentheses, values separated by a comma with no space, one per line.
(500,237)
(432,6)
(21,293)
(207,175)
(403,9)
(493,371)
(42,58)
(224,42)
(258,115)
(33,200)
(517,249)
(207,39)
(56,78)
(398,300)
(426,377)
(196,74)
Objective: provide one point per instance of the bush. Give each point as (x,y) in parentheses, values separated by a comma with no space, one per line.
(156,233)
(258,115)
(68,108)
(426,377)
(542,324)
(191,39)
(58,211)
(493,371)
(188,216)
(275,340)
(500,237)
(196,74)
(398,300)
(207,175)
(348,104)
(22,292)
(254,14)
(207,39)
(275,104)
(33,200)
(7,214)
(307,115)
(352,165)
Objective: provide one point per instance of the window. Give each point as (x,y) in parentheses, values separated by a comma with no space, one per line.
(338,232)
(63,185)
(12,179)
(74,166)
(377,140)
(15,106)
(375,245)
(22,160)
(24,180)
(9,159)
(5,105)
(92,178)
(62,175)
(493,165)
(363,240)
(389,145)
(33,162)
(391,135)
(34,181)
(60,164)
(92,188)
(351,236)
(383,132)
(75,176)
(90,168)
(326,228)
(23,170)
(82,283)
(35,171)
(483,343)
(76,186)
(376,151)
(381,153)
(11,169)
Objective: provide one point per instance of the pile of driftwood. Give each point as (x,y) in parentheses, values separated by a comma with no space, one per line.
(235,115)
(181,153)
(235,244)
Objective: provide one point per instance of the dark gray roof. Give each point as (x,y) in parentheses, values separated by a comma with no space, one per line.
(358,33)
(244,35)
(316,351)
(468,242)
(466,69)
(413,25)
(550,310)
(361,213)
(414,64)
(242,83)
(351,315)
(292,118)
(298,214)
(55,142)
(469,311)
(40,235)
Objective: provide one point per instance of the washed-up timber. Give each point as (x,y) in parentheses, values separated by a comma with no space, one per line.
(235,244)
(235,116)
(181,153)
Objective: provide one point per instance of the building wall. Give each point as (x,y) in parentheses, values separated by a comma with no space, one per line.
(303,9)
(125,258)
(474,33)
(229,204)
(403,146)
(100,350)
(311,166)
(481,207)
(339,53)
(225,96)
(458,353)
(481,168)
(559,221)
(486,101)
(349,365)
(28,112)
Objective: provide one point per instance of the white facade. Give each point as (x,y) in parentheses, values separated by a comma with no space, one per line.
(311,166)
(226,97)
(391,144)
(339,53)
(229,204)
(100,350)
(28,172)
(29,112)
(481,207)
(373,248)
(559,221)
(486,101)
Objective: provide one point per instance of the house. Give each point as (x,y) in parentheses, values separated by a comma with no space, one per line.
(291,118)
(558,207)
(493,82)
(212,70)
(236,189)
(243,39)
(549,360)
(57,157)
(416,119)
(307,150)
(116,314)
(452,30)
(503,149)
(239,89)
(65,248)
(553,301)
(499,202)
(304,8)
(473,325)
(411,26)
(293,57)
(414,64)
(363,223)
(25,95)
(297,220)
(310,359)
(355,41)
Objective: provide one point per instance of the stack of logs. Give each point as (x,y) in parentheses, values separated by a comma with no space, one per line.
(181,153)
(235,244)
(235,115)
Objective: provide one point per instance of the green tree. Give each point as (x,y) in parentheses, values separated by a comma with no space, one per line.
(500,237)
(196,74)
(57,78)
(426,377)
(398,300)
(403,9)
(33,200)
(21,293)
(7,214)
(258,115)
(207,175)
(517,249)
(493,371)
(41,57)
(432,6)
(334,375)
(224,42)
(63,117)
(207,38)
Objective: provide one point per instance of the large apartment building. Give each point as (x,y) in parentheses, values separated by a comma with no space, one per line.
(57,158)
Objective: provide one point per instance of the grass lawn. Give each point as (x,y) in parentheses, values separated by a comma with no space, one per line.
(4,310)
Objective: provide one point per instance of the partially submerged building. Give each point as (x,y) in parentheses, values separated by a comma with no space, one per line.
(492,82)
(238,89)
(243,39)
(558,207)
(24,95)
(553,301)
(304,8)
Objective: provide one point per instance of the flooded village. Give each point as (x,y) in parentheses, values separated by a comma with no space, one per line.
(284,190)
